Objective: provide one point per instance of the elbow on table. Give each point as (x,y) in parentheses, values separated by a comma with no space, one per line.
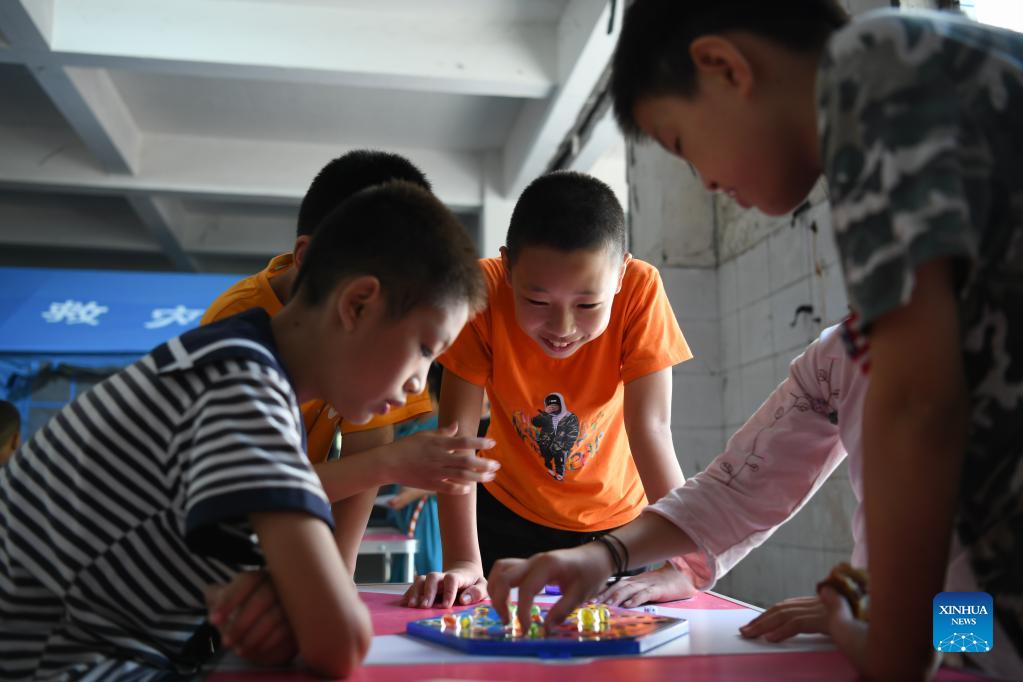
(338,653)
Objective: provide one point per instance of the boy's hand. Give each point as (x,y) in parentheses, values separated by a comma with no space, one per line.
(251,620)
(407,496)
(580,572)
(439,590)
(789,618)
(665,584)
(437,460)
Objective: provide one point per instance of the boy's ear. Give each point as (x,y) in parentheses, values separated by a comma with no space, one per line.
(621,272)
(717,57)
(355,297)
(298,253)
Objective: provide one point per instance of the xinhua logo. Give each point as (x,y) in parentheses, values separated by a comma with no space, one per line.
(963,622)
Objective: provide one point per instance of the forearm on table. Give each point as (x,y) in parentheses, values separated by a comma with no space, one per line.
(458,533)
(351,515)
(914,447)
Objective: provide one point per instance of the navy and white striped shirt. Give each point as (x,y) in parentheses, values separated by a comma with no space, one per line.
(118,512)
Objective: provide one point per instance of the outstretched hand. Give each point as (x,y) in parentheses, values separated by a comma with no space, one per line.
(663,584)
(800,615)
(440,461)
(440,590)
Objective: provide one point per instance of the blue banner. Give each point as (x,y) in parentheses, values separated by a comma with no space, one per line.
(94,311)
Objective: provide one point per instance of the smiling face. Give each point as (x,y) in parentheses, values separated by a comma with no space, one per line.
(563,299)
(383,359)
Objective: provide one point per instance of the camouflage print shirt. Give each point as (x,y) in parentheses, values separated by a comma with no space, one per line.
(921,128)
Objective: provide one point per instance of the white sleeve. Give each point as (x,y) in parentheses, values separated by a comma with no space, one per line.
(770,467)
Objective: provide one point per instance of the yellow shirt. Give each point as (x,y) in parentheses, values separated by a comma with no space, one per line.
(320,418)
(601,487)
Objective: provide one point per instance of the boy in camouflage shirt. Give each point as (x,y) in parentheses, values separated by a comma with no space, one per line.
(915,120)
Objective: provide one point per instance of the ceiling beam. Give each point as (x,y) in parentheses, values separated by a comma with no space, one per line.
(85,97)
(247,171)
(368,45)
(163,217)
(584,49)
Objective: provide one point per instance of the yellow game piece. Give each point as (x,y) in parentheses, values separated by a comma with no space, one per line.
(603,613)
(588,618)
(465,624)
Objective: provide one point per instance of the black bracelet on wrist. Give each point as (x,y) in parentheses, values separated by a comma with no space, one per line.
(625,551)
(616,558)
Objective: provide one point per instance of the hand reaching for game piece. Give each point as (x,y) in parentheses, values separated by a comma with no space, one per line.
(250,619)
(439,461)
(439,590)
(664,584)
(580,572)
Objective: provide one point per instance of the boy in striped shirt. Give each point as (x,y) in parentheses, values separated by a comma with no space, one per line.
(189,466)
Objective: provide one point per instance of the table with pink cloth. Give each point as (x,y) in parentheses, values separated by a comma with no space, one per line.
(713,650)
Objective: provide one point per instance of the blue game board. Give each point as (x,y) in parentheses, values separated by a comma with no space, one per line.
(618,631)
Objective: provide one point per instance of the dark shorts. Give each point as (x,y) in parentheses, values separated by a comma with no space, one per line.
(503,534)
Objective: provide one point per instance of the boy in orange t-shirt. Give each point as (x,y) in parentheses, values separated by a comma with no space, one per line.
(575,351)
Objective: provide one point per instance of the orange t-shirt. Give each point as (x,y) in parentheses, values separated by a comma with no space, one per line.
(320,419)
(601,488)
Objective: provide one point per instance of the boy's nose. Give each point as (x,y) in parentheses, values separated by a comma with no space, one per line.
(563,324)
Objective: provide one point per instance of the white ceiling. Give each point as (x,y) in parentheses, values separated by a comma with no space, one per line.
(183,134)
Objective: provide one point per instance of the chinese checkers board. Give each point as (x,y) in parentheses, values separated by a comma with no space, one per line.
(591,630)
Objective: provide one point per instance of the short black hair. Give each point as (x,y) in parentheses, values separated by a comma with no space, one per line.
(10,420)
(346,175)
(652,58)
(567,211)
(404,236)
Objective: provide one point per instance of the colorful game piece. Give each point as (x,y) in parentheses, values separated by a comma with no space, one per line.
(587,619)
(592,630)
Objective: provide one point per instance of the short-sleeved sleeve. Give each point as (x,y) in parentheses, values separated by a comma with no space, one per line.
(471,355)
(900,154)
(245,455)
(652,338)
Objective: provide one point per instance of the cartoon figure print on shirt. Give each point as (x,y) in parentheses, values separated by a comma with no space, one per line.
(558,435)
